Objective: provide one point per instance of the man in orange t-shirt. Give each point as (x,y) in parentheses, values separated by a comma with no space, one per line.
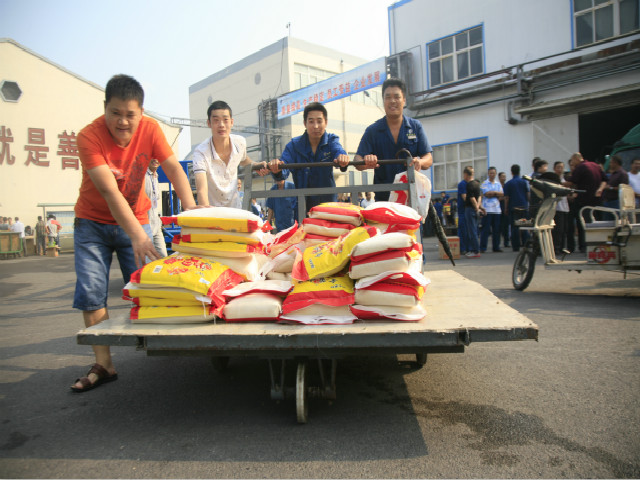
(111,211)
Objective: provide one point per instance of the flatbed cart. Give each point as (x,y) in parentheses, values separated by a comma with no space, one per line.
(448,327)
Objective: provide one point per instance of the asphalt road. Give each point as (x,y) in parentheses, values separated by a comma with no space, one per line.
(563,407)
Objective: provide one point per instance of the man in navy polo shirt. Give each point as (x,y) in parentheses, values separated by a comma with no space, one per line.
(314,145)
(516,202)
(387,136)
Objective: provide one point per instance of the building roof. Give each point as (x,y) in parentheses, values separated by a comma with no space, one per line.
(269,50)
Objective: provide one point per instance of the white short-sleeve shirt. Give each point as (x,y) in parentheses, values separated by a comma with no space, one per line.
(222,179)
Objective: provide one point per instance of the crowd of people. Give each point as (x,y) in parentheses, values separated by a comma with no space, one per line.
(47,234)
(495,206)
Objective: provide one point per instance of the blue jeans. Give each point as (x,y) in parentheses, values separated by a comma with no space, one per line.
(491,221)
(462,231)
(471,218)
(94,245)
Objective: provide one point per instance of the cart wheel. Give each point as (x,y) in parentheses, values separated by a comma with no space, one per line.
(302,408)
(220,364)
(421,359)
(523,269)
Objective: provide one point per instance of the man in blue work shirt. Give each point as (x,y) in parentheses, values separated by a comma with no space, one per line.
(516,202)
(462,225)
(387,136)
(284,209)
(314,145)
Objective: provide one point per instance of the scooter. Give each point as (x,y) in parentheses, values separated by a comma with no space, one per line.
(612,245)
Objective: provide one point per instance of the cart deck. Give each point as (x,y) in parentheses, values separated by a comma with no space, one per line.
(449,323)
(449,326)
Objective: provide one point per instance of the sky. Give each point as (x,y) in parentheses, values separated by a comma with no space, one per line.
(169,45)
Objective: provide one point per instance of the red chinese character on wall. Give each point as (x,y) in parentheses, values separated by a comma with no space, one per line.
(348,88)
(68,148)
(297,104)
(5,140)
(36,148)
(376,76)
(370,79)
(356,85)
(283,110)
(315,97)
(321,97)
(363,82)
(341,88)
(329,93)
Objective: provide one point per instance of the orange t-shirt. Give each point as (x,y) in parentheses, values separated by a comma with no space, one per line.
(128,164)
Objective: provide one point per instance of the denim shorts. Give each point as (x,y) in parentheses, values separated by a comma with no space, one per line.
(94,245)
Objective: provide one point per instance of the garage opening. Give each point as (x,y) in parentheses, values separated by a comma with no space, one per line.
(599,131)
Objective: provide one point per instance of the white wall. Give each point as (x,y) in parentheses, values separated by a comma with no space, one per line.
(55,100)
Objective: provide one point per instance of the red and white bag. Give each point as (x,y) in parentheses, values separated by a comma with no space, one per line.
(392,213)
(338,212)
(253,307)
(381,312)
(326,228)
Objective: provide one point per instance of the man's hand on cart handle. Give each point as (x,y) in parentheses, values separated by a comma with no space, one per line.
(341,160)
(274,165)
(370,161)
(261,167)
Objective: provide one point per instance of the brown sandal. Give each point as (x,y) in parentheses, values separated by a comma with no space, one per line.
(103,377)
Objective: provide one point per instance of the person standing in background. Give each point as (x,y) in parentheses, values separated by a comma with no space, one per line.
(504,217)
(41,236)
(152,189)
(491,195)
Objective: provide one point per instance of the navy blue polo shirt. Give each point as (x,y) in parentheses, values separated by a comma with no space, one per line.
(377,140)
(516,189)
(298,150)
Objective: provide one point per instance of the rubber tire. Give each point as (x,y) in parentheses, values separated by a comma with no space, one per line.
(525,261)
(302,407)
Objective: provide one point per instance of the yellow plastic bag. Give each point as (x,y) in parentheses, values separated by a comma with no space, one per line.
(328,258)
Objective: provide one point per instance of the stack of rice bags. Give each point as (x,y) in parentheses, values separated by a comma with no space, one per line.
(282,253)
(322,291)
(330,220)
(180,288)
(388,267)
(230,236)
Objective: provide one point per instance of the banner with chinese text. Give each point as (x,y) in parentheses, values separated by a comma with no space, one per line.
(339,86)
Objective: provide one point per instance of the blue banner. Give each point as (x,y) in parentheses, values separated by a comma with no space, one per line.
(339,86)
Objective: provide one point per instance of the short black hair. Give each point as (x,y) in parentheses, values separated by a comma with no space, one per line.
(515,169)
(219,105)
(314,107)
(617,159)
(539,163)
(124,87)
(394,82)
(492,168)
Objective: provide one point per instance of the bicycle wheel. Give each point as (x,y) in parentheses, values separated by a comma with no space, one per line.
(523,268)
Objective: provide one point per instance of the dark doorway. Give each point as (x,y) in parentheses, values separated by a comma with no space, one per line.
(599,131)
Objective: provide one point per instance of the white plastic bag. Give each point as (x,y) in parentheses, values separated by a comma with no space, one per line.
(423,192)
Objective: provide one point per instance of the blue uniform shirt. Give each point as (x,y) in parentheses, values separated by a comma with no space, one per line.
(516,189)
(462,190)
(377,140)
(298,150)
(285,209)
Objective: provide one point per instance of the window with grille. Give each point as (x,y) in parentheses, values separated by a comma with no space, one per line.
(456,57)
(597,20)
(450,160)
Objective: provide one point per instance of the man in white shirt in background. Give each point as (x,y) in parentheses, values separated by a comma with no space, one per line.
(491,194)
(152,189)
(216,160)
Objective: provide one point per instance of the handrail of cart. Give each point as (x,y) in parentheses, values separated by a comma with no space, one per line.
(301,193)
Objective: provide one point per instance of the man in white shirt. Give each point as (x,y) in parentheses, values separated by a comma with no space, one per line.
(634,179)
(152,189)
(491,194)
(216,160)
(18,227)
